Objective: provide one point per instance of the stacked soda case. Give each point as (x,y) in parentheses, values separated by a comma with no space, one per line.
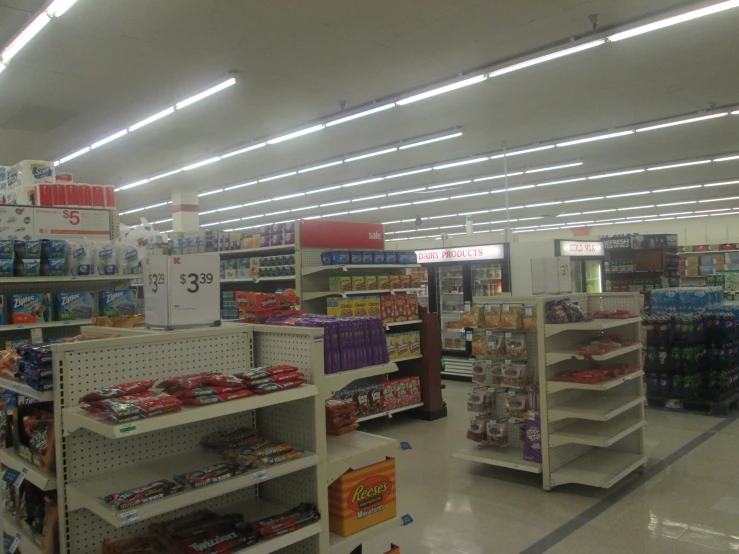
(349,342)
(685,300)
(692,356)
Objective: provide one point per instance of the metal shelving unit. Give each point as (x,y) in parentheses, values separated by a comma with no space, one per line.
(323,294)
(25,390)
(25,542)
(42,479)
(389,413)
(310,270)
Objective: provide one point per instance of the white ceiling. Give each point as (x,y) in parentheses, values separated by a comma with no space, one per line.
(105,65)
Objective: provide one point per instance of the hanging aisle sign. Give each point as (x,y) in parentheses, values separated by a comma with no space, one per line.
(461,254)
(580,248)
(182,291)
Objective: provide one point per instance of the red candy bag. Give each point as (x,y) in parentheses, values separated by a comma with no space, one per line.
(274,387)
(204,391)
(123,389)
(176,381)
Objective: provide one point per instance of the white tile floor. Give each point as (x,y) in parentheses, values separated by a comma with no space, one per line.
(464,507)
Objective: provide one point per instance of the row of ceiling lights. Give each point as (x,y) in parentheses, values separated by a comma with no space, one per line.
(615,37)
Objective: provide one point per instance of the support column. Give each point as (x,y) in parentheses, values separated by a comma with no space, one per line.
(185,210)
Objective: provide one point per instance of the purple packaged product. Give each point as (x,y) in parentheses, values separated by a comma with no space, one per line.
(278,239)
(366,257)
(532,440)
(265,240)
(355,257)
(265,230)
(378,257)
(290,227)
(326,258)
(390,258)
(278,228)
(340,257)
(289,238)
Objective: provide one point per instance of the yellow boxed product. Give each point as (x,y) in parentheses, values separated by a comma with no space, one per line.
(358,282)
(393,281)
(362,498)
(392,346)
(346,308)
(374,306)
(360,306)
(383,282)
(345,284)
(404,346)
(415,343)
(370,282)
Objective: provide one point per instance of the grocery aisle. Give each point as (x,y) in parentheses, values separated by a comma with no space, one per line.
(463,507)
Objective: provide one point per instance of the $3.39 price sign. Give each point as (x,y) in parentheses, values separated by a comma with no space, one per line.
(194,280)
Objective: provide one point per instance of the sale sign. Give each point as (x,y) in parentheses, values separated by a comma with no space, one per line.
(341,234)
(71,222)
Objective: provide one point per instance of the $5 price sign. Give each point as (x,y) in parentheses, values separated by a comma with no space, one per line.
(194,280)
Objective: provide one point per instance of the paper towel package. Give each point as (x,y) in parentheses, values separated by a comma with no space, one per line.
(31,173)
(4,184)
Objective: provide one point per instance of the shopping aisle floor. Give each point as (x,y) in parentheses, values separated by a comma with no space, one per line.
(686,501)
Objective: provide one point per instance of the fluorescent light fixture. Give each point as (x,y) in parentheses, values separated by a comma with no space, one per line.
(553,167)
(323,189)
(369,197)
(528,227)
(277,213)
(355,183)
(370,155)
(429,141)
(201,164)
(547,57)
(626,222)
(671,189)
(618,173)
(718,199)
(74,155)
(450,184)
(598,137)
(394,205)
(253,217)
(151,119)
(232,187)
(244,150)
(561,182)
(132,185)
(571,214)
(449,226)
(296,134)
(442,216)
(335,203)
(163,221)
(676,213)
(517,153)
(530,218)
(363,210)
(303,208)
(59,7)
(406,191)
(465,162)
(714,210)
(257,202)
(477,212)
(721,184)
(658,219)
(216,191)
(678,165)
(635,208)
(469,195)
(598,212)
(691,216)
(442,90)
(294,195)
(729,158)
(209,224)
(520,231)
(156,205)
(391,222)
(24,37)
(205,93)
(335,213)
(360,114)
(584,199)
(715,8)
(111,138)
(542,204)
(230,220)
(322,166)
(622,195)
(161,176)
(501,176)
(274,177)
(431,200)
(641,216)
(677,203)
(681,122)
(133,211)
(227,208)
(408,173)
(512,189)
(509,208)
(208,212)
(730,213)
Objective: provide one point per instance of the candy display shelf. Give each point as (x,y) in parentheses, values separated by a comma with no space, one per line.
(42,479)
(25,543)
(337,381)
(347,545)
(502,457)
(554,386)
(25,390)
(595,325)
(594,407)
(598,468)
(389,413)
(556,357)
(322,294)
(356,449)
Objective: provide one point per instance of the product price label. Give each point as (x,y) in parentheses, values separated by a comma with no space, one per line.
(405,446)
(407,519)
(14,543)
(13,477)
(260,476)
(128,517)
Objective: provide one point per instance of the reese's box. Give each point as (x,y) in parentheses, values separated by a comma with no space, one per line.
(29,308)
(362,498)
(117,303)
(69,306)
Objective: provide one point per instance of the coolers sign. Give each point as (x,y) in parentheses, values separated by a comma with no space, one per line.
(461,254)
(580,248)
(341,234)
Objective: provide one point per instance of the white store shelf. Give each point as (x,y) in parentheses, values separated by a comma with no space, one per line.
(321,294)
(257,251)
(556,357)
(599,467)
(338,381)
(595,325)
(67,279)
(399,323)
(21,326)
(25,390)
(555,386)
(77,418)
(346,267)
(354,450)
(259,279)
(511,458)
(595,407)
(26,544)
(346,545)
(259,509)
(390,412)
(595,433)
(44,480)
(88,492)
(406,358)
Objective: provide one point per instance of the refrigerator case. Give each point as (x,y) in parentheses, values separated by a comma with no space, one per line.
(587,271)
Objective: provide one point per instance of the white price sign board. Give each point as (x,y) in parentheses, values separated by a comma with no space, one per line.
(71,222)
(182,291)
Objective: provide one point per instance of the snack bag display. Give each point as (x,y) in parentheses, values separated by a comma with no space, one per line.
(529,318)
(515,345)
(491,313)
(510,316)
(479,344)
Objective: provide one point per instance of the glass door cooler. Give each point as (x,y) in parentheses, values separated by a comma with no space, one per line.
(450,301)
(586,258)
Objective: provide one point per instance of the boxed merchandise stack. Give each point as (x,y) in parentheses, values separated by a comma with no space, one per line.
(258,307)
(277,234)
(403,345)
(344,257)
(228,306)
(400,393)
(276,266)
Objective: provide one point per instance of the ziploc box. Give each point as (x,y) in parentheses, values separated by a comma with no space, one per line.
(117,303)
(29,308)
(7,249)
(71,306)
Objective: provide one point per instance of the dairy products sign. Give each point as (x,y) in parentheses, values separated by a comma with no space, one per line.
(461,254)
(580,248)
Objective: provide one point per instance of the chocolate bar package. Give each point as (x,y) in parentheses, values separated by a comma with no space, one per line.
(70,306)
(117,303)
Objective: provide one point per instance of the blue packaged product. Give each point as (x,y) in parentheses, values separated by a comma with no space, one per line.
(57,267)
(33,249)
(412,258)
(81,261)
(325,258)
(340,257)
(401,257)
(107,263)
(378,257)
(366,257)
(7,249)
(70,306)
(116,303)
(32,268)
(20,248)
(355,257)
(6,268)
(29,308)
(390,258)
(57,248)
